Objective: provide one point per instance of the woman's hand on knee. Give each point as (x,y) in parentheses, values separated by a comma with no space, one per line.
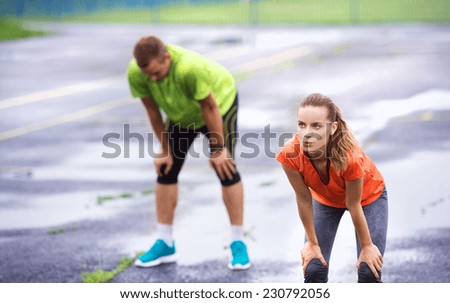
(370,254)
(309,252)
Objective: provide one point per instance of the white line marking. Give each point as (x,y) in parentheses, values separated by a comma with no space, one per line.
(91,85)
(59,92)
(216,55)
(83,113)
(67,90)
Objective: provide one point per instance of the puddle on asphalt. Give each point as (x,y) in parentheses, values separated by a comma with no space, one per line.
(404,256)
(287,39)
(274,231)
(15,172)
(88,164)
(254,118)
(60,209)
(370,119)
(413,183)
(85,165)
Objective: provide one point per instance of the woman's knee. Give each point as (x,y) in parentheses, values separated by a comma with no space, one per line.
(316,272)
(365,274)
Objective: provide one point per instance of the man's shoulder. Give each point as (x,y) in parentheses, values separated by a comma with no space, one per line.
(133,67)
(183,57)
(133,71)
(181,52)
(189,63)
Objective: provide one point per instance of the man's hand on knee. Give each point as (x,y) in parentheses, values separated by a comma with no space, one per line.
(163,163)
(222,162)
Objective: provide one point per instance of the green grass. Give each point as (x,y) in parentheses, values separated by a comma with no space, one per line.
(59,230)
(102,276)
(103,199)
(264,12)
(12,29)
(148,191)
(126,195)
(55,231)
(283,12)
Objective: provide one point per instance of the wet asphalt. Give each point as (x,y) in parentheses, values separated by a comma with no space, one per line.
(54,225)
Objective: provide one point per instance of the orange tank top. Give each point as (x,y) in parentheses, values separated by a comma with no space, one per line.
(333,194)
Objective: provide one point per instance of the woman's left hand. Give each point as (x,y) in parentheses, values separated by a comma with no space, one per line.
(371,255)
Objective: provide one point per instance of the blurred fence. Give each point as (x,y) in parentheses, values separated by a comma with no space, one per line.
(240,11)
(57,8)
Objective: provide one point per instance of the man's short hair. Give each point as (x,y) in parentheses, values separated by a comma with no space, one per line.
(147,49)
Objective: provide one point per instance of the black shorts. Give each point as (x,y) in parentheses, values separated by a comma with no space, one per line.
(181,139)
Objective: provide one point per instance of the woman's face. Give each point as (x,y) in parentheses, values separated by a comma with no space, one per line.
(314,129)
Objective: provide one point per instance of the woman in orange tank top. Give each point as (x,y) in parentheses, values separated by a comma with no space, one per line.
(331,174)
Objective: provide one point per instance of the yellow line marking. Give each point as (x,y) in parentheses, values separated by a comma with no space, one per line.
(271,60)
(427,116)
(228,53)
(80,114)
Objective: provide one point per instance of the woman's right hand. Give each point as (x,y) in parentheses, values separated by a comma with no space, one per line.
(163,163)
(309,252)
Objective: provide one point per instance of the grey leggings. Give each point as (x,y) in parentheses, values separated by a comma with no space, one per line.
(326,222)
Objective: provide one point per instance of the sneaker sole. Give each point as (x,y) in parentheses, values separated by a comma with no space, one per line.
(238,267)
(162,260)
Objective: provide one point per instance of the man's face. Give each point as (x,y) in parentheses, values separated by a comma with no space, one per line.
(157,69)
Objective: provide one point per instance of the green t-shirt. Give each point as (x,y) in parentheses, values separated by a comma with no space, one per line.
(191,78)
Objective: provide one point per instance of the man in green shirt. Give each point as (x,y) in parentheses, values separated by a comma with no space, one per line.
(198,96)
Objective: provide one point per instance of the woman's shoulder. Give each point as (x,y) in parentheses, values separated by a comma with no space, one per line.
(292,146)
(356,155)
(357,164)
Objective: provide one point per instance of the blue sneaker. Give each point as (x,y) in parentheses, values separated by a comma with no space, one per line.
(158,254)
(240,259)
